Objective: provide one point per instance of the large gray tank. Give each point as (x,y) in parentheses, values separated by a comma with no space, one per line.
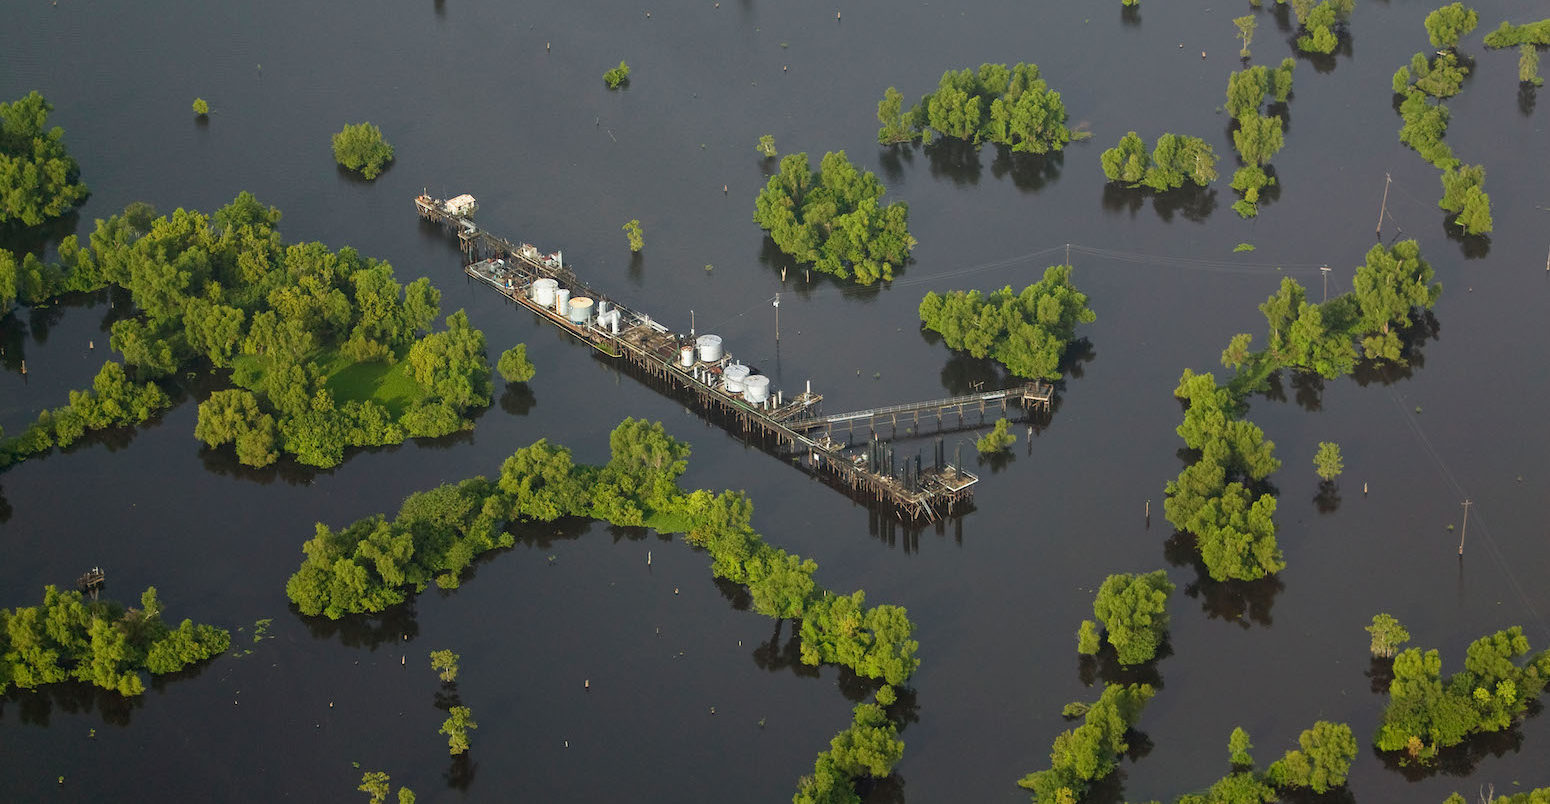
(756,389)
(732,378)
(710,348)
(580,310)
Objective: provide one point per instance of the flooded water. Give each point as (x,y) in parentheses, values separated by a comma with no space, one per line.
(592,674)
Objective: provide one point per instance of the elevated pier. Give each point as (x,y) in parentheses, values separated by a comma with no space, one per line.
(723,389)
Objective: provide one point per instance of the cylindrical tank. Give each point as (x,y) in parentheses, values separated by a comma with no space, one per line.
(602,306)
(686,356)
(580,310)
(756,389)
(710,348)
(562,301)
(732,378)
(543,292)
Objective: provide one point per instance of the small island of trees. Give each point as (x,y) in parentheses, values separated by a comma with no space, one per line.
(361,148)
(1134,613)
(618,76)
(1256,137)
(1009,106)
(1173,161)
(832,220)
(39,180)
(1026,332)
(1321,23)
(98,642)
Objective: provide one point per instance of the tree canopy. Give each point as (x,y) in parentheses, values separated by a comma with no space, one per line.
(832,220)
(1134,612)
(1175,160)
(1010,106)
(1090,752)
(1027,332)
(39,180)
(514,365)
(1446,25)
(361,148)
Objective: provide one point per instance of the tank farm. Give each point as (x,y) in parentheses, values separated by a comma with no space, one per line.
(699,370)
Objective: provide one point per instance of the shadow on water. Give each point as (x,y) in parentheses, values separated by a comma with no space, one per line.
(806,281)
(1030,173)
(1527,96)
(1327,500)
(955,160)
(35,707)
(1424,326)
(1324,62)
(1246,603)
(960,162)
(460,774)
(1460,760)
(1105,667)
(397,624)
(1473,247)
(1130,15)
(1191,202)
(518,399)
(223,461)
(1380,674)
(21,240)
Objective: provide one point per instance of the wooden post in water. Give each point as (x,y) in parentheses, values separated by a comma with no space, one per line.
(1465,531)
(1387,179)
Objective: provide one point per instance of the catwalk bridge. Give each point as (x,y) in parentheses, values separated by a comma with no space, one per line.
(726,391)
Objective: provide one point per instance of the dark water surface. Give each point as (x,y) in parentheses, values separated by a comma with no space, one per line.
(473,102)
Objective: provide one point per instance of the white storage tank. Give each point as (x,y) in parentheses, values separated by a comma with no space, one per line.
(710,348)
(543,292)
(732,378)
(562,301)
(580,310)
(686,356)
(756,389)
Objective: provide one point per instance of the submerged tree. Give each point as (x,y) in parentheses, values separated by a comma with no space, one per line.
(1246,26)
(514,365)
(1326,462)
(459,722)
(766,146)
(444,662)
(833,219)
(633,233)
(361,148)
(201,108)
(1134,613)
(39,180)
(1446,25)
(1387,635)
(1027,332)
(997,440)
(1176,159)
(617,76)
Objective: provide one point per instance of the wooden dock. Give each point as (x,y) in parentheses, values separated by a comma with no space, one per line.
(673,362)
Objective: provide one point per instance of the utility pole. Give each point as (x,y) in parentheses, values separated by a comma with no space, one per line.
(1068,254)
(691,323)
(777,318)
(1387,179)
(1325,271)
(1465,531)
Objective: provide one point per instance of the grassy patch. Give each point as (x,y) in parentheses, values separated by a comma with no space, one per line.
(663,522)
(1242,247)
(387,385)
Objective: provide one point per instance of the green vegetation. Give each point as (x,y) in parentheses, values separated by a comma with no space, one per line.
(1238,746)
(1509,35)
(832,219)
(325,347)
(1319,23)
(1134,613)
(460,721)
(1463,192)
(39,180)
(1440,77)
(1242,247)
(1425,124)
(1246,26)
(444,662)
(1088,643)
(1319,765)
(1027,332)
(766,146)
(98,642)
(1256,137)
(201,108)
(378,786)
(375,563)
(514,365)
(1009,106)
(1446,25)
(1539,795)
(1426,712)
(997,440)
(870,747)
(362,149)
(1387,635)
(1327,463)
(1528,66)
(1175,160)
(617,76)
(1091,751)
(632,232)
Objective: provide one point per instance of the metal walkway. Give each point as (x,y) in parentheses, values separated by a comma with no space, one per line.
(1036,395)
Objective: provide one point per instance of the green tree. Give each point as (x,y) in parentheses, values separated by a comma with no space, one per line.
(870,747)
(1174,160)
(766,146)
(997,440)
(377,785)
(39,180)
(1509,35)
(1322,763)
(444,662)
(1387,635)
(896,127)
(833,220)
(1446,25)
(459,722)
(1087,642)
(201,108)
(514,365)
(1246,25)
(617,76)
(1027,332)
(1134,612)
(1326,462)
(632,231)
(1258,138)
(361,148)
(1089,752)
(1238,746)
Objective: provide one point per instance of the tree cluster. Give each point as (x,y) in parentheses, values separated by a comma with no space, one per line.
(1009,106)
(98,642)
(1463,192)
(1175,160)
(1321,23)
(113,401)
(1528,66)
(1509,35)
(362,148)
(1027,332)
(1426,712)
(634,234)
(459,722)
(1319,764)
(1091,751)
(997,440)
(1441,76)
(379,786)
(514,365)
(1539,795)
(39,180)
(298,325)
(617,76)
(832,219)
(1387,635)
(1134,612)
(1256,137)
(869,748)
(1446,25)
